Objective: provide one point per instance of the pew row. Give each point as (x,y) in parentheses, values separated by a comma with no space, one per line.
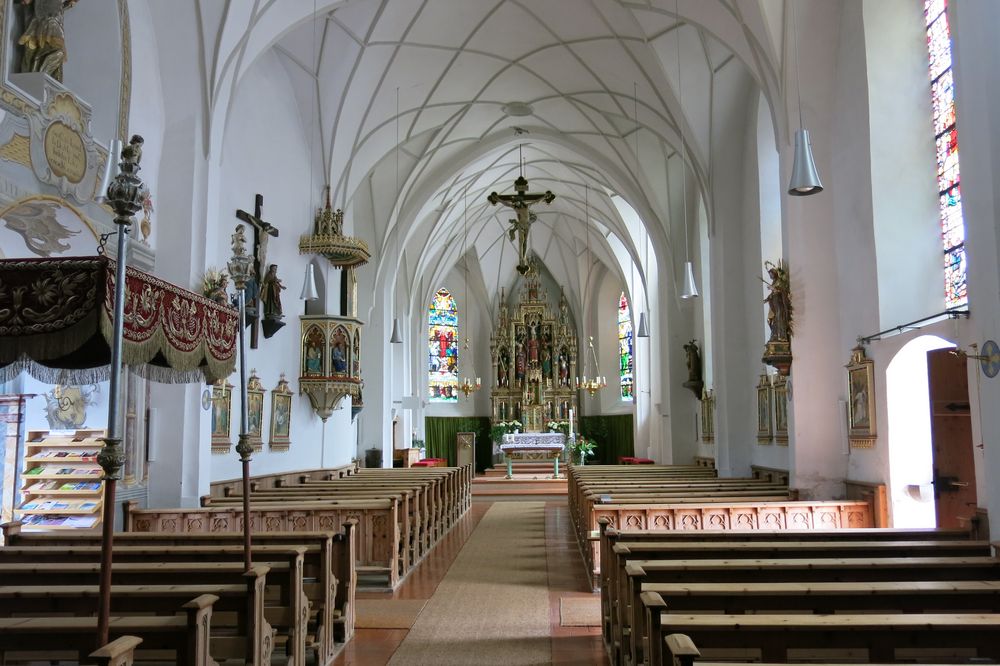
(184,636)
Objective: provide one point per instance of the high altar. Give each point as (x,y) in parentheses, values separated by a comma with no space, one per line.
(533,351)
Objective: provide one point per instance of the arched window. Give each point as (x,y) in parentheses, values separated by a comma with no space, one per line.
(442,360)
(946,139)
(626,358)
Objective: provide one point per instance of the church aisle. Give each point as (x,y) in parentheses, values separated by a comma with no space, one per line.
(492,595)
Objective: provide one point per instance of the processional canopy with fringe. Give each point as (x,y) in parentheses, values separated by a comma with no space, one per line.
(57,320)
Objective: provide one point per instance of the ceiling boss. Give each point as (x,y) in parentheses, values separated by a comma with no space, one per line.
(521,202)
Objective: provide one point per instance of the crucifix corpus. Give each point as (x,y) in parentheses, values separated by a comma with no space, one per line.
(261,232)
(521,202)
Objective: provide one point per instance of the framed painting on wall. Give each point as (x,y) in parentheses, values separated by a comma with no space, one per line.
(222,401)
(708,416)
(764,425)
(780,390)
(861,400)
(255,410)
(281,416)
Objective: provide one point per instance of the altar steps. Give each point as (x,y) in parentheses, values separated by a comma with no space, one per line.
(531,479)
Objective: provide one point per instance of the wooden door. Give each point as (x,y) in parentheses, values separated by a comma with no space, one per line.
(951,436)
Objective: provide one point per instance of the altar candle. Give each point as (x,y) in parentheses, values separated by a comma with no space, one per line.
(570,420)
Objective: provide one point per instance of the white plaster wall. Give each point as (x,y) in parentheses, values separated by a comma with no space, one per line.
(262,153)
(977,85)
(94,61)
(903,189)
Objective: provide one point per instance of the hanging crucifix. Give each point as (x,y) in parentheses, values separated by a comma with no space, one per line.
(261,231)
(521,202)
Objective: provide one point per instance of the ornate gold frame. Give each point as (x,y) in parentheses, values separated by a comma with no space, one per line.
(281,398)
(765,429)
(861,400)
(255,410)
(779,387)
(222,400)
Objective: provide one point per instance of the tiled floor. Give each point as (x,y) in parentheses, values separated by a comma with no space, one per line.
(567,577)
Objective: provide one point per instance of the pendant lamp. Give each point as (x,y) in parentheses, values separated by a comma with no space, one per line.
(805,177)
(690,290)
(643,331)
(309,291)
(396,338)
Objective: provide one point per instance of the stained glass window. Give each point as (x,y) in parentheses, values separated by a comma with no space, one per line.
(946,141)
(626,358)
(442,357)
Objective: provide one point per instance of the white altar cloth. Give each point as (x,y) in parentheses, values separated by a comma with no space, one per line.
(533,441)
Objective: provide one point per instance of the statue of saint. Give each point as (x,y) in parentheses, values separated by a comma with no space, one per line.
(563,369)
(779,301)
(693,361)
(270,293)
(503,363)
(546,362)
(44,39)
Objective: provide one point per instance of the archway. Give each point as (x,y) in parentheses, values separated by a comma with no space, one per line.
(911,459)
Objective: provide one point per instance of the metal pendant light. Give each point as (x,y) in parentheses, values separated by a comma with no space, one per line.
(805,177)
(309,291)
(643,330)
(395,338)
(690,290)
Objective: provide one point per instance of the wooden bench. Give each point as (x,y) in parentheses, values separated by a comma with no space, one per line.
(377,533)
(186,636)
(239,628)
(881,634)
(329,581)
(617,602)
(641,574)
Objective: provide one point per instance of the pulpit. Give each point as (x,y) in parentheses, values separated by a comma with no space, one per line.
(533,446)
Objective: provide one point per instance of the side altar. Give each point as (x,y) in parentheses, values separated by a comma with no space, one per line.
(533,353)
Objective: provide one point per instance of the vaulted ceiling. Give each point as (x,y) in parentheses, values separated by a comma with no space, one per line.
(587,95)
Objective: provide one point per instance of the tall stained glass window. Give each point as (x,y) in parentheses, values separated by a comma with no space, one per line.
(442,358)
(946,140)
(626,357)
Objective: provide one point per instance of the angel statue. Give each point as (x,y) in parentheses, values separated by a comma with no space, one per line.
(779,301)
(44,39)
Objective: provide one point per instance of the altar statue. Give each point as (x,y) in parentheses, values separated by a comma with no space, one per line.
(779,301)
(44,38)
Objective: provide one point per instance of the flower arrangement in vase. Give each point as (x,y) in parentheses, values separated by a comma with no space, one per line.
(558,426)
(582,448)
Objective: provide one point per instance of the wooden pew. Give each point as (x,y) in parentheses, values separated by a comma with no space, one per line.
(641,574)
(334,573)
(187,636)
(119,652)
(246,636)
(881,634)
(618,606)
(286,608)
(377,532)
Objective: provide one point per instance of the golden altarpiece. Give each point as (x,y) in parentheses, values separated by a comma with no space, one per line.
(533,354)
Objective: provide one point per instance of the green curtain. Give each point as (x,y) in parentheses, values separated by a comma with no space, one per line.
(614,436)
(440,432)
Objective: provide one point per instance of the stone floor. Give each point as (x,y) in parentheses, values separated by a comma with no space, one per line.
(566,577)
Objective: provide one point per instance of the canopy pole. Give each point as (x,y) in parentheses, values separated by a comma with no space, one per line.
(241,270)
(125,194)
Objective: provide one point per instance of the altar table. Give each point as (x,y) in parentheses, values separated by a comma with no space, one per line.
(527,443)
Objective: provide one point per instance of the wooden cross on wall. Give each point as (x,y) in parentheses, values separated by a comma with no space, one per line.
(261,231)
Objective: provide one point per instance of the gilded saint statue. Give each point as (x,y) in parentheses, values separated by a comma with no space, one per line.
(44,39)
(779,301)
(521,202)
